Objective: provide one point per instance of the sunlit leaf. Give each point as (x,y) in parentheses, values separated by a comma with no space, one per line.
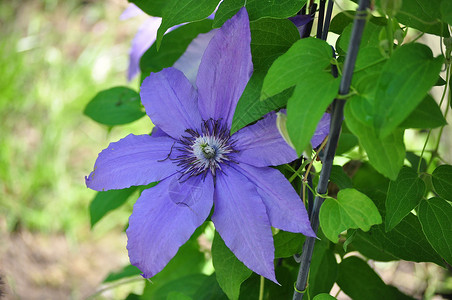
(352,209)
(307,54)
(115,106)
(277,9)
(180,11)
(386,154)
(306,106)
(405,79)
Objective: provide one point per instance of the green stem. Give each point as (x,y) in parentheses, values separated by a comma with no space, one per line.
(436,148)
(261,288)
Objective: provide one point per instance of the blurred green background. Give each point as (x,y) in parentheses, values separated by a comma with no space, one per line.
(54,57)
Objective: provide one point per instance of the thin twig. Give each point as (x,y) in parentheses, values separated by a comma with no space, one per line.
(335,128)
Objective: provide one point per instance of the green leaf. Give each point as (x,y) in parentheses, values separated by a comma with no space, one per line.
(446,11)
(180,11)
(347,141)
(210,290)
(229,270)
(426,115)
(288,243)
(307,54)
(435,215)
(423,15)
(177,296)
(358,280)
(352,209)
(172,47)
(152,8)
(127,271)
(189,261)
(386,154)
(404,194)
(115,106)
(414,161)
(339,177)
(269,39)
(406,241)
(107,201)
(442,181)
(276,9)
(405,79)
(323,297)
(323,270)
(250,108)
(186,286)
(307,105)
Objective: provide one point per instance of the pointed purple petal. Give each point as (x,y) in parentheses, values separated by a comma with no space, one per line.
(285,209)
(170,102)
(189,62)
(157,132)
(131,11)
(164,218)
(225,69)
(262,145)
(144,38)
(300,21)
(322,130)
(133,160)
(241,220)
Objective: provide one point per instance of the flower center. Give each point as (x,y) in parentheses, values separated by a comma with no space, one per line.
(205,151)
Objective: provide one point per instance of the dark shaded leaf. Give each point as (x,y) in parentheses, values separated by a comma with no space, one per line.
(442,181)
(230,272)
(426,115)
(404,194)
(288,243)
(358,280)
(435,215)
(107,201)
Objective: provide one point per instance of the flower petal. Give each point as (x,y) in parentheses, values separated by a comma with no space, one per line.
(170,102)
(133,160)
(143,39)
(300,21)
(285,209)
(131,11)
(164,218)
(262,145)
(241,219)
(189,62)
(225,69)
(321,131)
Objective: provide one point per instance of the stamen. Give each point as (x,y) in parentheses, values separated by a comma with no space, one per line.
(205,151)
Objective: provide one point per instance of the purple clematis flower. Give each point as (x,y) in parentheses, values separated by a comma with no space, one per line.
(200,165)
(188,63)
